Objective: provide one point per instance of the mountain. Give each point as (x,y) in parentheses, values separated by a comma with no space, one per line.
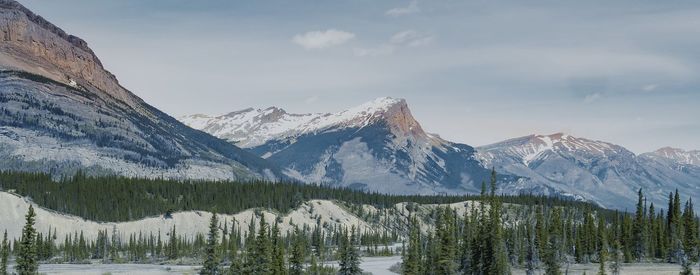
(605,173)
(676,155)
(377,146)
(61,111)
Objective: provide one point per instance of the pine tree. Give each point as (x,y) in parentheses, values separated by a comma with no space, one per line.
(278,265)
(616,259)
(4,254)
(349,256)
(412,257)
(639,230)
(498,256)
(552,256)
(445,234)
(27,262)
(262,254)
(172,245)
(211,259)
(296,260)
(602,248)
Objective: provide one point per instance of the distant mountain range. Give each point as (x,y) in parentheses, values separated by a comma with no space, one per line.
(379,146)
(61,111)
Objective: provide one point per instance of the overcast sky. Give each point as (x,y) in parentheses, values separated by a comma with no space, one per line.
(476,72)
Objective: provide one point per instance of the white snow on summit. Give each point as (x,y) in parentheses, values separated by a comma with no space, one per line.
(253,127)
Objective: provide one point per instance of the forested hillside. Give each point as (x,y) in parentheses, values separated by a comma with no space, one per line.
(124,199)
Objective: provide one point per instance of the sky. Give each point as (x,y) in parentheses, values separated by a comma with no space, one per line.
(475,72)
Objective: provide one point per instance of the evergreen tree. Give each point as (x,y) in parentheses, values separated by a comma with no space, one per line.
(211,259)
(552,254)
(616,259)
(602,248)
(412,257)
(349,256)
(172,245)
(278,264)
(497,259)
(639,230)
(261,259)
(445,235)
(4,254)
(296,260)
(27,262)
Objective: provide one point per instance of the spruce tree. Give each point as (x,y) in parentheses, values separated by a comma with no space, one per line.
(211,259)
(278,264)
(639,230)
(262,253)
(4,254)
(349,262)
(412,257)
(27,262)
(296,259)
(498,258)
(552,257)
(445,235)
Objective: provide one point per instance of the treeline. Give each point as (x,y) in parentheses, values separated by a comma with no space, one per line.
(123,199)
(262,249)
(551,238)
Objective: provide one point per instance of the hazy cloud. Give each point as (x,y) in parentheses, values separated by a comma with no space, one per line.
(322,39)
(410,9)
(411,38)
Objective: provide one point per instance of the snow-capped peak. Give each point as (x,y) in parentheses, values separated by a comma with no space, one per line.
(252,127)
(679,155)
(532,147)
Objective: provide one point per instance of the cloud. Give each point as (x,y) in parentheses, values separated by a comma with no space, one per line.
(322,39)
(410,9)
(381,50)
(592,97)
(411,38)
(650,87)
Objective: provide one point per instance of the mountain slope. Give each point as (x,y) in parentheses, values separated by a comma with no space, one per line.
(377,146)
(607,174)
(61,111)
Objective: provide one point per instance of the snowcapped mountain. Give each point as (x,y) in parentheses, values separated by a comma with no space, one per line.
(602,172)
(377,146)
(677,155)
(61,111)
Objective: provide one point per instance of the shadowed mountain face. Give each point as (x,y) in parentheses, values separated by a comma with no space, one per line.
(607,174)
(377,146)
(61,111)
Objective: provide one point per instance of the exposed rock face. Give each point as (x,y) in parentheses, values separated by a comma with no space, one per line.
(60,111)
(32,44)
(377,146)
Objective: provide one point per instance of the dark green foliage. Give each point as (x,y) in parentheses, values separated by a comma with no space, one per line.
(349,261)
(27,260)
(412,255)
(211,259)
(124,199)
(4,254)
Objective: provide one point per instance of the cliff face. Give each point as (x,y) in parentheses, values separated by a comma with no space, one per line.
(61,111)
(32,44)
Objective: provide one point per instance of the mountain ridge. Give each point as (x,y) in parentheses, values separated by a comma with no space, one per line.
(62,112)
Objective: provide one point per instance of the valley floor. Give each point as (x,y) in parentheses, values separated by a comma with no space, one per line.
(373,265)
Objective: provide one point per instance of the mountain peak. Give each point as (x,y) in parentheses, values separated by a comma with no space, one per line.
(679,155)
(34,45)
(253,127)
